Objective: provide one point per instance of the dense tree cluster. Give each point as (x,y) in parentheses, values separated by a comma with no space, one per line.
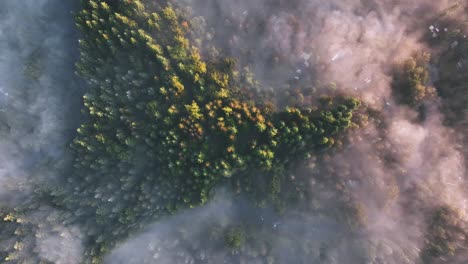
(164,127)
(28,232)
(235,237)
(19,246)
(446,233)
(412,81)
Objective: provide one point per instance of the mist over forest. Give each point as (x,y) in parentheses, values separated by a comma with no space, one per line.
(249,131)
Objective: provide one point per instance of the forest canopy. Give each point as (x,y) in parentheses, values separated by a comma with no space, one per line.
(218,131)
(164,127)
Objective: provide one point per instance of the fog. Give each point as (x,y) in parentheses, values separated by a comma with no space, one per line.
(39,106)
(396,171)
